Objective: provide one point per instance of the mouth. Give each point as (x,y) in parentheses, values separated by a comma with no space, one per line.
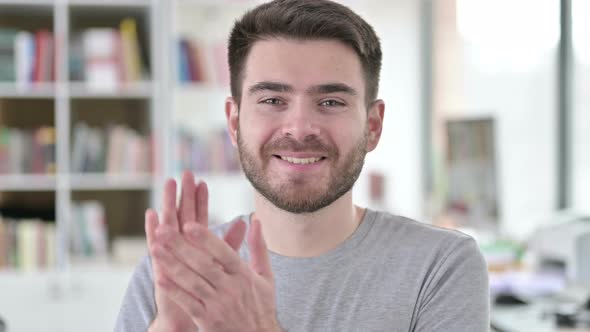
(300,160)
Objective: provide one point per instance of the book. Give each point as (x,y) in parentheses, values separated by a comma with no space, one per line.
(24,58)
(131,55)
(105,58)
(50,245)
(76,58)
(202,62)
(78,146)
(7,52)
(88,236)
(212,153)
(3,245)
(101,58)
(116,149)
(27,151)
(43,70)
(12,243)
(196,59)
(26,241)
(16,151)
(47,137)
(27,244)
(184,71)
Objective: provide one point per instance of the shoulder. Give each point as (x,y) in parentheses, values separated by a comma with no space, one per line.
(414,233)
(423,246)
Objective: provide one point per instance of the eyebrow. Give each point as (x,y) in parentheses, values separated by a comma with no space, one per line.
(316,89)
(270,86)
(332,88)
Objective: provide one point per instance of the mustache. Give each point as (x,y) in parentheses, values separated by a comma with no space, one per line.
(309,144)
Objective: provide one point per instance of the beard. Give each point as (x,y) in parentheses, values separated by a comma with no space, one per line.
(299,194)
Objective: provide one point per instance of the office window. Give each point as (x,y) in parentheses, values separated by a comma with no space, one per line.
(496,60)
(580,136)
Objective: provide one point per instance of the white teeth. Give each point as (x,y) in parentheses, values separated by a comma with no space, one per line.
(300,160)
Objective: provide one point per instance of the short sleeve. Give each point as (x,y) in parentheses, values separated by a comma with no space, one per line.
(456,297)
(139,307)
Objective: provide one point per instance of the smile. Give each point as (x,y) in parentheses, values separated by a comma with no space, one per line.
(300,161)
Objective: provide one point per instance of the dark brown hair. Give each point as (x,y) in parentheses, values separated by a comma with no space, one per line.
(305,20)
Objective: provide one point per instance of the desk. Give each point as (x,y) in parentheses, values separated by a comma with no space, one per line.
(534,317)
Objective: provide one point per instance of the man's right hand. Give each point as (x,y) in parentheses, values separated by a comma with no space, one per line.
(169,316)
(193,208)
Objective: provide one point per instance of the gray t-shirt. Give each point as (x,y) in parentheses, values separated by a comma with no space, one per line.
(392,274)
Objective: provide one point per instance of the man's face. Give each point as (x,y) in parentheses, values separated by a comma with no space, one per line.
(302,129)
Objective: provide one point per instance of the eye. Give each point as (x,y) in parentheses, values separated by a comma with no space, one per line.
(272,101)
(331,103)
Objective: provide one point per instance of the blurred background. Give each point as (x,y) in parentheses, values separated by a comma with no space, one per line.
(487,130)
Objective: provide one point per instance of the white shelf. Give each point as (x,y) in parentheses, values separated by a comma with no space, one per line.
(76,90)
(219,3)
(27,2)
(131,90)
(25,182)
(110,3)
(38,90)
(94,181)
(199,87)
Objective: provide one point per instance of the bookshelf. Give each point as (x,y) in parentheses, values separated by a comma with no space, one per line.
(67,80)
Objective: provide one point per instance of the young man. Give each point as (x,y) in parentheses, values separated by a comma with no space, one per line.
(303,114)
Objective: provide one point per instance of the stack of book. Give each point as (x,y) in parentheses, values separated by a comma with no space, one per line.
(106,58)
(214,154)
(27,244)
(27,151)
(118,149)
(199,62)
(88,230)
(26,57)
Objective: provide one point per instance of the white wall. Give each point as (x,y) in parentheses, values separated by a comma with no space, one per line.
(397,23)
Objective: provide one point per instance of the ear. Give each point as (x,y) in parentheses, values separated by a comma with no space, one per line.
(232,118)
(375,123)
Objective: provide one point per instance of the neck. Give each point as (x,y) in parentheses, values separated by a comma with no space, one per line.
(307,234)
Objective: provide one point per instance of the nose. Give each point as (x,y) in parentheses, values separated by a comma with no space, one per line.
(301,121)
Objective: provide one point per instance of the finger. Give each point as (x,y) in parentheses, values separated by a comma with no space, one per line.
(186,210)
(259,259)
(176,271)
(202,204)
(192,306)
(221,251)
(169,216)
(235,235)
(194,257)
(151,223)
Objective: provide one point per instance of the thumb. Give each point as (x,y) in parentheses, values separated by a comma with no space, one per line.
(259,260)
(235,235)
